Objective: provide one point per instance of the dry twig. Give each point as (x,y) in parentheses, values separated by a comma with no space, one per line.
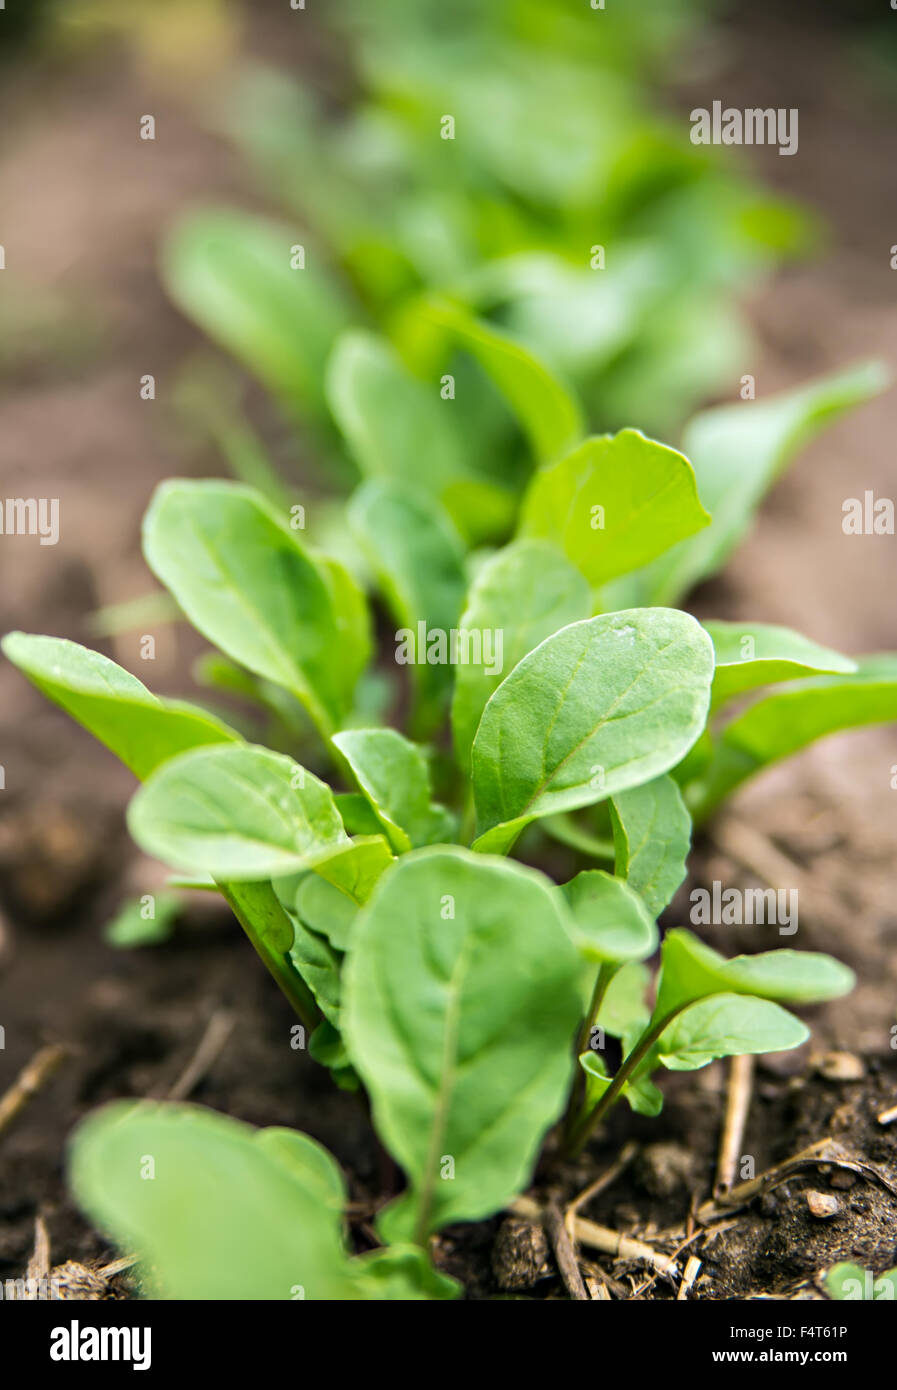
(564,1253)
(692,1270)
(822,1152)
(738,1101)
(622,1162)
(217,1032)
(601,1238)
(29,1081)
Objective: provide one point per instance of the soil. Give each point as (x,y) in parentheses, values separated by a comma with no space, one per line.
(80,232)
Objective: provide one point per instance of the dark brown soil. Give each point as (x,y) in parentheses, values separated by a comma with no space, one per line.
(81,226)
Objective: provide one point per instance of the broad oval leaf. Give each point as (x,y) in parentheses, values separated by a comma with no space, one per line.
(786,721)
(400,430)
(246,583)
(727,1025)
(612,922)
(356,868)
(460,1004)
(548,411)
(652,837)
(239,813)
(614,504)
(689,971)
(417,559)
(326,909)
(737,452)
(394,775)
(521,595)
(749,655)
(601,706)
(113,705)
(232,274)
(227,1213)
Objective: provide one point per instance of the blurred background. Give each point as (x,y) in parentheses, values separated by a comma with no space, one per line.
(572,132)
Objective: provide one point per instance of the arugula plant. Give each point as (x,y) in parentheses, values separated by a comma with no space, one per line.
(503,210)
(465,991)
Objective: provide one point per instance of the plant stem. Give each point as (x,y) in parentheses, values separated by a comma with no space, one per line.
(606,972)
(589,1120)
(264,921)
(468,822)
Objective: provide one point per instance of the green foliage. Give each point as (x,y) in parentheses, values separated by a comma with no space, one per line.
(135,926)
(850,1282)
(233,274)
(614,504)
(458,357)
(652,837)
(217,1210)
(599,707)
(142,730)
(461,1004)
(240,813)
(246,582)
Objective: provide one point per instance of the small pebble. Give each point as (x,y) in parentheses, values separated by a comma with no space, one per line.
(823,1205)
(841,1066)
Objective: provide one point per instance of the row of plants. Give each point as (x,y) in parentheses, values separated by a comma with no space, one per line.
(473,657)
(426,963)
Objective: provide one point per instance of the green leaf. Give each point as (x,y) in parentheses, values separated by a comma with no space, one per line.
(753,654)
(548,411)
(221,1214)
(312,1164)
(786,721)
(850,1282)
(325,909)
(623,1011)
(140,729)
(353,624)
(460,1005)
(314,958)
(358,818)
(846,1281)
(689,971)
(238,813)
(356,869)
(614,504)
(417,559)
(612,922)
(400,430)
(652,837)
(521,595)
(601,706)
(394,775)
(326,1047)
(737,452)
(245,582)
(131,926)
(727,1025)
(402,1274)
(231,273)
(642,1095)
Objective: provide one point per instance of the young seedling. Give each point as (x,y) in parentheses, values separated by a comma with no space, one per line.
(456,985)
